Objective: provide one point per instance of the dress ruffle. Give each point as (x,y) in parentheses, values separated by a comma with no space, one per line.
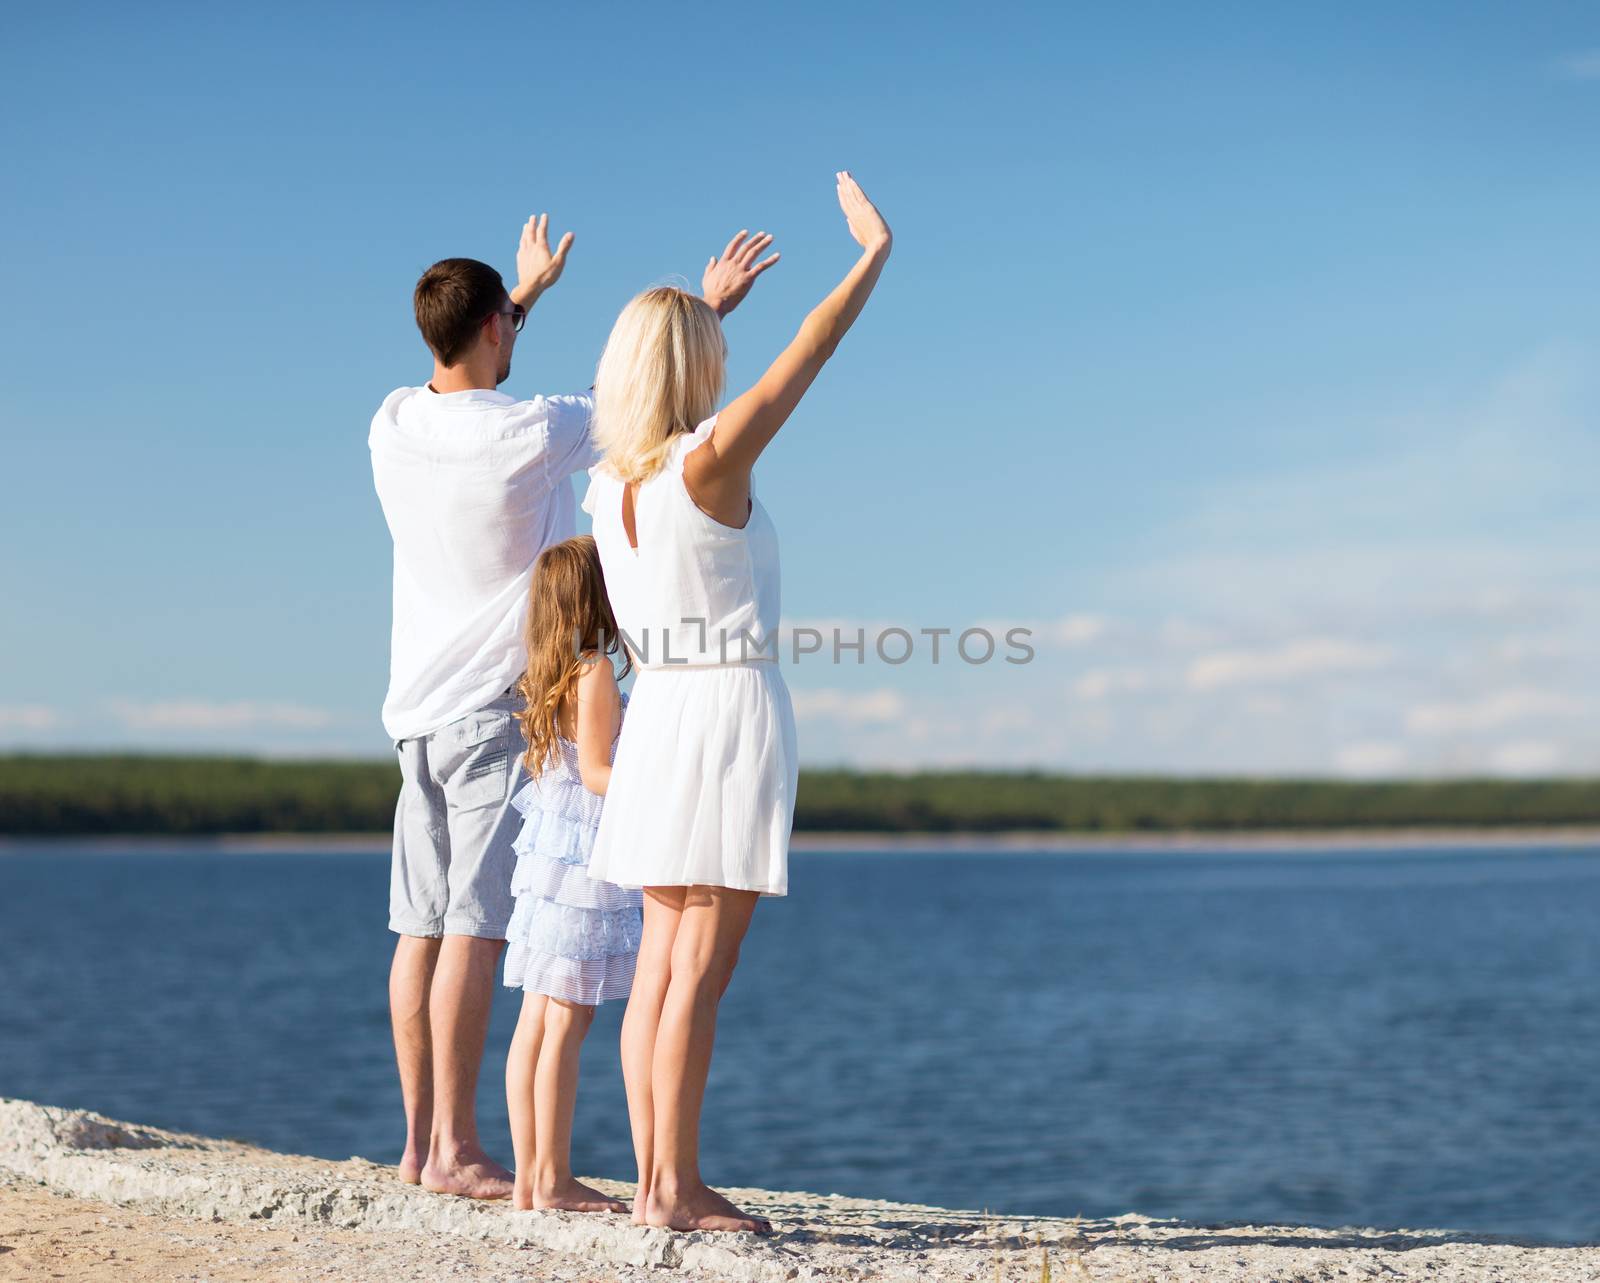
(549,835)
(584,980)
(585,935)
(559,791)
(567,882)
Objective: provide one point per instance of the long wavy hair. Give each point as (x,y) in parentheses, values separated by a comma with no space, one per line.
(569,624)
(661,373)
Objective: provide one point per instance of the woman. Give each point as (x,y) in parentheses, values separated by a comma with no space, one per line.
(702,793)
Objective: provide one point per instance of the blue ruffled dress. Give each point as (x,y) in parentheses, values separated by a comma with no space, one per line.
(571,936)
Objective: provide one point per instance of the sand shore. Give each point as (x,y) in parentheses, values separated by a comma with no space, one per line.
(84,1197)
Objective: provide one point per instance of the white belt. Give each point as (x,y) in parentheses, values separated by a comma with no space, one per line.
(715,663)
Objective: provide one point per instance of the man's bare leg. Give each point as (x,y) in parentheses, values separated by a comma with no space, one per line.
(458,1015)
(651,975)
(410,976)
(704,953)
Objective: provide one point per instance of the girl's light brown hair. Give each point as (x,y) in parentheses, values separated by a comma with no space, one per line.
(570,625)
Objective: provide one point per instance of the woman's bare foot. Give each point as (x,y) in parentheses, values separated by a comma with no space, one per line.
(700,1208)
(473,1175)
(411,1165)
(640,1198)
(573,1195)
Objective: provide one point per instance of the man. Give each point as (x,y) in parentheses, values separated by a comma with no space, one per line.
(474,486)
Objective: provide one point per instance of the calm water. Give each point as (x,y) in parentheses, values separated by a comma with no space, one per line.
(1383,1039)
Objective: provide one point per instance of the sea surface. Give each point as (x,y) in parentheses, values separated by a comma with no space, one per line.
(1380,1038)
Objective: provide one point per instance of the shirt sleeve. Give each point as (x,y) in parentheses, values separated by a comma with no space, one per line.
(571,446)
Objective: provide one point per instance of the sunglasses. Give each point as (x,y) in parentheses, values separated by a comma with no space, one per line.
(518,315)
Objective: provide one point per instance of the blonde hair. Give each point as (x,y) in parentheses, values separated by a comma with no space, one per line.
(661,374)
(570,625)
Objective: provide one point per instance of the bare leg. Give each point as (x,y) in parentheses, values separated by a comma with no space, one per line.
(410,976)
(704,953)
(521,1062)
(556,1094)
(652,973)
(458,1012)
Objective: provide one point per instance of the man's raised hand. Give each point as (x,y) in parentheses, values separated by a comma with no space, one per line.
(537,268)
(728,279)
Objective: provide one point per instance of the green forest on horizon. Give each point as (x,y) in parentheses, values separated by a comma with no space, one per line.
(50,795)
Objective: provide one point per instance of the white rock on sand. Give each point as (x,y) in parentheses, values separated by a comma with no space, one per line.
(85,1197)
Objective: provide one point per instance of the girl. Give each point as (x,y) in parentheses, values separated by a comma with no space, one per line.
(572,940)
(703,794)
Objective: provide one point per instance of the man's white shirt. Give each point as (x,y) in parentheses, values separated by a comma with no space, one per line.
(474,486)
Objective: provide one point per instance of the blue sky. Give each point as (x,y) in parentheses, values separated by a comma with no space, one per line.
(1244,353)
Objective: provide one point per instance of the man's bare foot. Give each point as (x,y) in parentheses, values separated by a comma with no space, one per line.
(411,1165)
(700,1208)
(573,1195)
(473,1176)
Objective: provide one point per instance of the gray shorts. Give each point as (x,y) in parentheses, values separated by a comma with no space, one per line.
(454,825)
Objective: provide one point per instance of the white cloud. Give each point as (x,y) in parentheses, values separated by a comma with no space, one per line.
(1306,657)
(1527,757)
(1535,649)
(1074,630)
(1002,720)
(1185,634)
(850,706)
(1100,683)
(202,715)
(1490,712)
(1371,758)
(28,717)
(1584,65)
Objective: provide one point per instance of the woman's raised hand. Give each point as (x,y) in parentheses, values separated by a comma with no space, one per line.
(717,472)
(866,224)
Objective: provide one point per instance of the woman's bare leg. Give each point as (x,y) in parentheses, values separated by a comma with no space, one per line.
(521,1062)
(652,973)
(704,952)
(555,1096)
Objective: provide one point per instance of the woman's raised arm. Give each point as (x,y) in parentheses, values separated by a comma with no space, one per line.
(718,472)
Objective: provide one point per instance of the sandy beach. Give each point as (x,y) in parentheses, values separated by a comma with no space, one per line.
(85,1197)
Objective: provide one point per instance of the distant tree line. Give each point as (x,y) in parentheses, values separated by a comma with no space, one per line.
(987,802)
(135,794)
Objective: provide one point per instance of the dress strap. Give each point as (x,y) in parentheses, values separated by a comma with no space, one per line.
(688,441)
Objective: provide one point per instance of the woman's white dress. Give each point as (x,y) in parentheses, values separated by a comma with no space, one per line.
(702,791)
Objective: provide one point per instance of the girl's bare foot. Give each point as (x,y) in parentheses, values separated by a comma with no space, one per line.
(700,1208)
(573,1195)
(411,1165)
